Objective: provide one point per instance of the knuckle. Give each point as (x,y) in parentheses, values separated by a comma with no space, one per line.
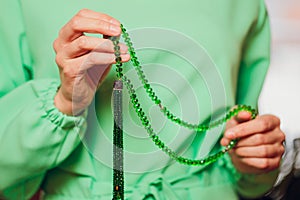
(75,23)
(278,121)
(82,42)
(61,31)
(69,72)
(100,23)
(275,119)
(265,124)
(281,150)
(264,164)
(59,60)
(55,45)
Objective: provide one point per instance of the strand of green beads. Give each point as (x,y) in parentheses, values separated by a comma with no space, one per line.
(118,59)
(144,120)
(160,144)
(163,109)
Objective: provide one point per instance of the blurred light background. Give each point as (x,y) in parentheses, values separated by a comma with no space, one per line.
(281,92)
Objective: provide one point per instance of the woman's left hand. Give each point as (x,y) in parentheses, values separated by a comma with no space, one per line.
(260,146)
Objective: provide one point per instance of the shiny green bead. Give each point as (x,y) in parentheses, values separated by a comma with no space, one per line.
(118,59)
(150,131)
(146,122)
(131,90)
(152,95)
(136,63)
(127,40)
(141,114)
(134,101)
(142,77)
(119,75)
(180,159)
(147,86)
(155,138)
(149,90)
(164,110)
(144,118)
(119,69)
(158,142)
(125,34)
(115,42)
(133,96)
(117,48)
(119,65)
(138,110)
(169,115)
(154,98)
(157,101)
(162,145)
(134,58)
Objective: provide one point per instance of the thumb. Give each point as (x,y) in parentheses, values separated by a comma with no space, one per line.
(243,116)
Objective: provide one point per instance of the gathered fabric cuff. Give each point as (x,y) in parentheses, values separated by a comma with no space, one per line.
(53,114)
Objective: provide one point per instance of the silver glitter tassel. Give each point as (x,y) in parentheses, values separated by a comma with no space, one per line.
(118,171)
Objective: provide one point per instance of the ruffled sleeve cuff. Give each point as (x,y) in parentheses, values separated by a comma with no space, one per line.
(53,114)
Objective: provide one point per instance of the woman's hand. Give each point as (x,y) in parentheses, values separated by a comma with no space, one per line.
(260,146)
(84,61)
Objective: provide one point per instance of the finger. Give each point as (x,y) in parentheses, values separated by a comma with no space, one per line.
(258,125)
(96,75)
(96,15)
(271,137)
(85,44)
(78,25)
(243,116)
(225,141)
(261,151)
(231,123)
(239,118)
(95,58)
(262,164)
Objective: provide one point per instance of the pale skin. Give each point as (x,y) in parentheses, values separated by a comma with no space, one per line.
(84,61)
(260,145)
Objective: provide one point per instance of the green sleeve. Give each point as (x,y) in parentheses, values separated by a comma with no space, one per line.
(34,135)
(255,62)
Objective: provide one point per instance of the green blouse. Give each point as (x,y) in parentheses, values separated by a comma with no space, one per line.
(202,57)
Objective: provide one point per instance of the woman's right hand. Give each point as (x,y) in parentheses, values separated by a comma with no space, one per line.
(84,61)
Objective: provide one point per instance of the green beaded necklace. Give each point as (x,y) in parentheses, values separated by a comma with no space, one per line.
(152,95)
